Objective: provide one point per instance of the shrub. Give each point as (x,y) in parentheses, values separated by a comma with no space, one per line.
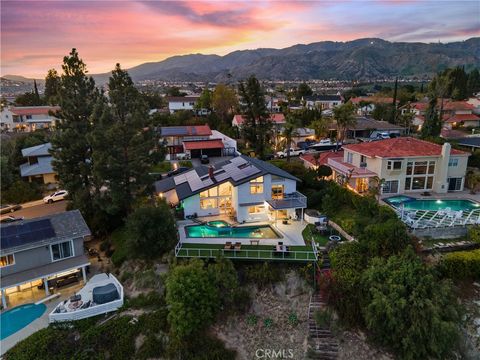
(151,231)
(474,234)
(22,191)
(461,264)
(151,299)
(385,239)
(252,320)
(293,319)
(185,163)
(268,322)
(264,274)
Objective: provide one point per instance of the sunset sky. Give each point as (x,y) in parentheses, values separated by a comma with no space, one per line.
(35,35)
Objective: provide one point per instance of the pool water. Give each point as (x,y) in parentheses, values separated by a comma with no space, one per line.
(435,205)
(226,231)
(17,318)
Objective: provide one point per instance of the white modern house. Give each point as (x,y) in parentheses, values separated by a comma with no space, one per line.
(324,102)
(244,188)
(27,118)
(185,103)
(405,164)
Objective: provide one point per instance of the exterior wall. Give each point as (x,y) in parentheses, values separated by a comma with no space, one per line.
(32,258)
(6,119)
(174,106)
(49,178)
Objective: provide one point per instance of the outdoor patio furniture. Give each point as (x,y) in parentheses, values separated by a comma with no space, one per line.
(228,246)
(238,246)
(280,243)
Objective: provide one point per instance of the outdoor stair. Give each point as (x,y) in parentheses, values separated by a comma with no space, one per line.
(325,265)
(323,344)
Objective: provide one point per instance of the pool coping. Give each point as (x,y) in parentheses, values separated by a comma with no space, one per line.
(278,233)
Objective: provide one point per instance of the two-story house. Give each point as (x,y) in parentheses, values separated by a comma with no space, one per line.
(324,102)
(185,103)
(28,118)
(405,164)
(39,164)
(244,188)
(37,255)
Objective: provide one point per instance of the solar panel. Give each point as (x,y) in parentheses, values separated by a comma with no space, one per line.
(238,161)
(30,232)
(250,170)
(174,130)
(222,176)
(180,179)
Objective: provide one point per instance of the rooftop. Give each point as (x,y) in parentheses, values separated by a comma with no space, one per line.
(203,144)
(237,171)
(43,166)
(182,98)
(32,233)
(323,98)
(188,130)
(33,110)
(463,117)
(399,147)
(366,123)
(39,150)
(372,99)
(322,157)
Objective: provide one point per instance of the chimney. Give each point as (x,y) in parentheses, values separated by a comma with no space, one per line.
(210,172)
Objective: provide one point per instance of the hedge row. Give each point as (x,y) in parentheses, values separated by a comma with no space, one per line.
(462,264)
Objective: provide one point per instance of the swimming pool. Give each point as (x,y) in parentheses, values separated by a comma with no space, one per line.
(17,318)
(409,203)
(221,229)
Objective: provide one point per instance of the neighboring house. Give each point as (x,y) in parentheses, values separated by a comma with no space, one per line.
(185,103)
(366,104)
(28,118)
(366,127)
(405,164)
(278,120)
(314,160)
(247,189)
(195,141)
(475,101)
(324,102)
(39,253)
(39,164)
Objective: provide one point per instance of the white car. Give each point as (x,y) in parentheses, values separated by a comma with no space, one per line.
(293,152)
(56,196)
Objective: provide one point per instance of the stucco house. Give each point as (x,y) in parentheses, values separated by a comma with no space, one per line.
(405,164)
(244,188)
(28,118)
(39,164)
(39,254)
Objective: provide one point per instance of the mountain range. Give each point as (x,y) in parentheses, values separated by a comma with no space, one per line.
(361,59)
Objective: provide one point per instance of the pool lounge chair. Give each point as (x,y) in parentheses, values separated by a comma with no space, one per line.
(228,246)
(238,246)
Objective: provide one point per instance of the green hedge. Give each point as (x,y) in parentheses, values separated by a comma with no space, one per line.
(461,264)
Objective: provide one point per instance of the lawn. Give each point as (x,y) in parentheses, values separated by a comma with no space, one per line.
(309,233)
(264,252)
(163,167)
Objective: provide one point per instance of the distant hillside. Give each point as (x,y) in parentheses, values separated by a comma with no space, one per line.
(358,59)
(21,79)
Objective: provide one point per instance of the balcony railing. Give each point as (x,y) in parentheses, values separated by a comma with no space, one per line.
(294,200)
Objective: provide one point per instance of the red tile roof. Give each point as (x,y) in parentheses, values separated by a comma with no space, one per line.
(34,110)
(399,147)
(448,105)
(276,118)
(203,144)
(463,117)
(372,99)
(323,158)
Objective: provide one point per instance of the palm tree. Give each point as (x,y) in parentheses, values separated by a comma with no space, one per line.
(321,128)
(375,189)
(473,179)
(344,116)
(289,131)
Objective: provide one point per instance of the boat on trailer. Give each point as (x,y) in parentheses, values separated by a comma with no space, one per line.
(325,145)
(102,294)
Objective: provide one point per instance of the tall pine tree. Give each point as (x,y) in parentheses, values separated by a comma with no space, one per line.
(257,126)
(70,146)
(432,126)
(52,85)
(122,142)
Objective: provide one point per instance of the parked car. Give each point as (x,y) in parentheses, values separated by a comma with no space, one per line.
(204,159)
(183,156)
(293,152)
(177,171)
(9,208)
(56,196)
(9,219)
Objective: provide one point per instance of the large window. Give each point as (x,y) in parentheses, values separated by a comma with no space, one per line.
(394,164)
(256,185)
(218,196)
(62,250)
(208,203)
(420,175)
(453,162)
(390,187)
(256,209)
(7,260)
(349,157)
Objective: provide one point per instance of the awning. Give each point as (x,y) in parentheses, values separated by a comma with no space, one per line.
(44,271)
(203,144)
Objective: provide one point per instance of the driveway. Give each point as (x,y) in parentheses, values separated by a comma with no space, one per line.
(40,210)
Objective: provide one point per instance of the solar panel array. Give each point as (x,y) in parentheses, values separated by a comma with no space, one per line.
(180,179)
(30,232)
(174,130)
(238,161)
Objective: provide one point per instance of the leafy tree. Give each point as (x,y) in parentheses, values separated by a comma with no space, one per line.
(52,85)
(408,309)
(432,126)
(383,112)
(122,142)
(224,102)
(289,131)
(151,230)
(385,238)
(174,91)
(153,99)
(257,126)
(324,171)
(303,90)
(192,297)
(28,99)
(321,127)
(7,173)
(205,100)
(344,116)
(473,180)
(458,83)
(71,149)
(473,83)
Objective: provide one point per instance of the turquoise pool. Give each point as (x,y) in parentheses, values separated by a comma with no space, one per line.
(409,203)
(17,318)
(221,229)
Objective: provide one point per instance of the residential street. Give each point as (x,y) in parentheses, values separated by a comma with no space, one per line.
(40,210)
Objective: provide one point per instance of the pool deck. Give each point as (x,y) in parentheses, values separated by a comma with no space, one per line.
(291,233)
(457,195)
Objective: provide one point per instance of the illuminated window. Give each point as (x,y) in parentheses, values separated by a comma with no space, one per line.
(256,209)
(7,260)
(256,185)
(208,203)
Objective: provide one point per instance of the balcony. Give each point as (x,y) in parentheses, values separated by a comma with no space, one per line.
(294,200)
(350,170)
